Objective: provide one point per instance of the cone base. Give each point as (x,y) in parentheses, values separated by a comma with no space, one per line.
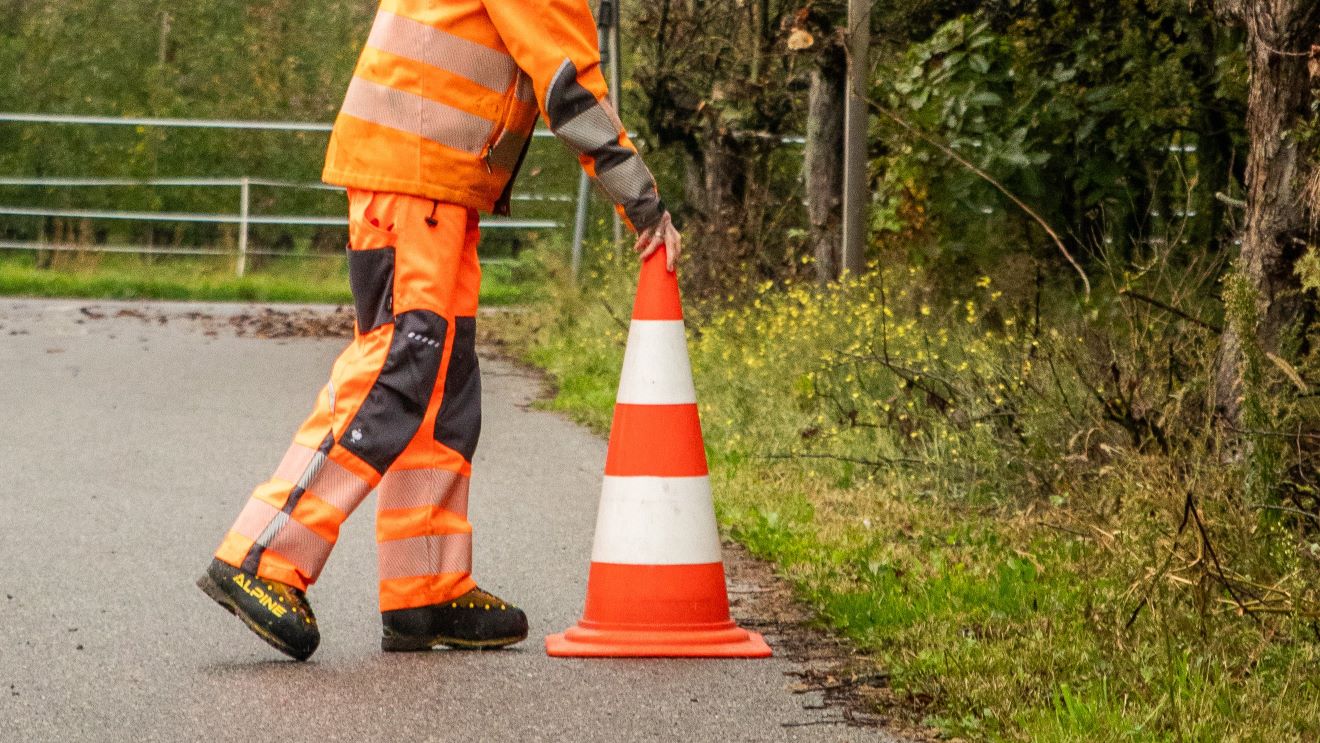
(729,641)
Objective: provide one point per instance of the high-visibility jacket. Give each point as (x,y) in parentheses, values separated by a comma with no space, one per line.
(446,93)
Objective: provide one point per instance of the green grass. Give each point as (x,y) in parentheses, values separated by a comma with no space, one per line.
(305,280)
(1000,608)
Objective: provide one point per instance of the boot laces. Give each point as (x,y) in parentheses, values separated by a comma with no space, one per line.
(483,599)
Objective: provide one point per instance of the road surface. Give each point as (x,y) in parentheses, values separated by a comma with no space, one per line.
(129,444)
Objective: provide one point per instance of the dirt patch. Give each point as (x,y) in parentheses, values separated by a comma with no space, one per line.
(856,691)
(304,323)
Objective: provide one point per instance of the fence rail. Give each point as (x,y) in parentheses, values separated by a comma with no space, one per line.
(177,123)
(239,219)
(145,249)
(200,217)
(157,250)
(50,182)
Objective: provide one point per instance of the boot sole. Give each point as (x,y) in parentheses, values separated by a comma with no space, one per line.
(415,644)
(217,594)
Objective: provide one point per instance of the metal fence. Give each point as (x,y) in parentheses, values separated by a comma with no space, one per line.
(243,218)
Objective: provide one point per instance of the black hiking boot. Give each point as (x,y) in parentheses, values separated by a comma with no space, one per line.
(472,621)
(277,612)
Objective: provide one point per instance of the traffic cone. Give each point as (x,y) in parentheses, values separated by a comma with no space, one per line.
(656,586)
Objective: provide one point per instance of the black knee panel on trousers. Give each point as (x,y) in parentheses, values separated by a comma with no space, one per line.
(396,404)
(458,424)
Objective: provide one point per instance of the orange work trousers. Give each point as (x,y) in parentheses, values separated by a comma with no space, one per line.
(401,414)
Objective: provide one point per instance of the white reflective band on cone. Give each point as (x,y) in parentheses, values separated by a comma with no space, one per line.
(655,365)
(656,521)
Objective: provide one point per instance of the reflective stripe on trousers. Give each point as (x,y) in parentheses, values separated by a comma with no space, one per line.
(401,415)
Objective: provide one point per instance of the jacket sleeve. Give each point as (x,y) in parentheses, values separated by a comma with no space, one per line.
(555,43)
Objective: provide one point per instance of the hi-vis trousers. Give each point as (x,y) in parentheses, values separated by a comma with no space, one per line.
(401,415)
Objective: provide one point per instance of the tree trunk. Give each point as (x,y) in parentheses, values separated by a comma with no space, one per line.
(714,187)
(823,160)
(1280,33)
(722,180)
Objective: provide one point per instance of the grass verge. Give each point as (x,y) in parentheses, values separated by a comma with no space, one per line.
(941,485)
(300,280)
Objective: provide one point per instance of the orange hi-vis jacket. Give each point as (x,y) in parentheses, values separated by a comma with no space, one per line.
(446,93)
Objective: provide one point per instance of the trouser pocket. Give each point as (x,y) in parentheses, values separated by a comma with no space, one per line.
(371,278)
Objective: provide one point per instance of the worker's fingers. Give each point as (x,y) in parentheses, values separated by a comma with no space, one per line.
(657,242)
(643,238)
(652,245)
(652,238)
(673,245)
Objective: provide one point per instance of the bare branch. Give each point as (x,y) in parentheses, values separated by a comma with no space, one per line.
(1124,292)
(881,462)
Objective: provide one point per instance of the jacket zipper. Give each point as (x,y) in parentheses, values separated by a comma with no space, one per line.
(503,126)
(502,204)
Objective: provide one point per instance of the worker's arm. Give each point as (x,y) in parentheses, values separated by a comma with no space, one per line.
(555,42)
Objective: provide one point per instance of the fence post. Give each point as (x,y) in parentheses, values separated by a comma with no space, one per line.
(244,199)
(610,14)
(580,225)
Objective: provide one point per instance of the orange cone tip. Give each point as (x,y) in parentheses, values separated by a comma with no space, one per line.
(656,585)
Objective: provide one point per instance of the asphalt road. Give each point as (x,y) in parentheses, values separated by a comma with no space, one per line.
(128,446)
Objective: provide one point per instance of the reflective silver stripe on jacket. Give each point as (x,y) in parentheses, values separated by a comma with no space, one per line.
(412,113)
(421,43)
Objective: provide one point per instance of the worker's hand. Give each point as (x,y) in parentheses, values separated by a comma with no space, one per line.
(663,233)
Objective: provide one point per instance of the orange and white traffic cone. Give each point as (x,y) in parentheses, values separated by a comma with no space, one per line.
(656,587)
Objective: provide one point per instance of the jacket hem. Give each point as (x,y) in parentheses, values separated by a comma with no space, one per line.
(437,192)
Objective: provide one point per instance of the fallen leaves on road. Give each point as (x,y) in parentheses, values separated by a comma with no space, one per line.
(273,323)
(264,322)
